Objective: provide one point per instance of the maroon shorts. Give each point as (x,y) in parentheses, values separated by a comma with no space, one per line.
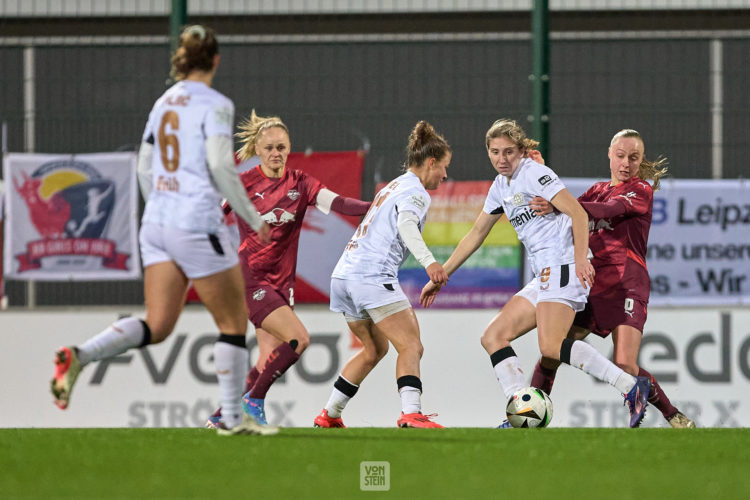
(603,313)
(262,299)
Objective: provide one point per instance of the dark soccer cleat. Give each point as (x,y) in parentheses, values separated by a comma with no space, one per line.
(67,368)
(213,422)
(505,425)
(417,420)
(637,399)
(323,420)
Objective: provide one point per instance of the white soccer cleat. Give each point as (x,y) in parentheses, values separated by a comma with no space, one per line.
(247,427)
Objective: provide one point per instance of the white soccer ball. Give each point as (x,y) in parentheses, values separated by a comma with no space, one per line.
(529,407)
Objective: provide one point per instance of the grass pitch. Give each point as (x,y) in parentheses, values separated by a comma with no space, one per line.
(325,463)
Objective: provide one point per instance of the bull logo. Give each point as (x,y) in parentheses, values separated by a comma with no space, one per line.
(278,217)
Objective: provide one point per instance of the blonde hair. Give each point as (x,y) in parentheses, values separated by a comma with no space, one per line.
(250,130)
(424,143)
(647,170)
(198,46)
(513,131)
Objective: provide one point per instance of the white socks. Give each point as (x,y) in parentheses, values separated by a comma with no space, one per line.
(122,335)
(410,400)
(586,358)
(510,376)
(231,367)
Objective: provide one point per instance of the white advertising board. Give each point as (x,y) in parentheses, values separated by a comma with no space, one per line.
(701,357)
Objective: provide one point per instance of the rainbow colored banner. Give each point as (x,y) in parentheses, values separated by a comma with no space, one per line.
(490,277)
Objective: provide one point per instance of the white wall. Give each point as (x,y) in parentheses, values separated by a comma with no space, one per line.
(701,356)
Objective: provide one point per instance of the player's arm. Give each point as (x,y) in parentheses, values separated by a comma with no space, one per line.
(144,170)
(408,229)
(465,248)
(223,171)
(565,203)
(327,200)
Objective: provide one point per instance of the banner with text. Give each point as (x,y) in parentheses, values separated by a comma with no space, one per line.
(490,276)
(699,244)
(71,217)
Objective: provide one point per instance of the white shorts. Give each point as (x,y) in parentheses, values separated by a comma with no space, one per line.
(197,254)
(358,300)
(556,284)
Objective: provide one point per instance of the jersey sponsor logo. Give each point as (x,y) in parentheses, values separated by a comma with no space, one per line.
(293,194)
(418,201)
(278,217)
(596,226)
(522,218)
(545,179)
(259,294)
(224,116)
(628,196)
(518,199)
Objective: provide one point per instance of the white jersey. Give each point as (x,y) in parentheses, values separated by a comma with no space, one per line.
(548,239)
(376,250)
(183,194)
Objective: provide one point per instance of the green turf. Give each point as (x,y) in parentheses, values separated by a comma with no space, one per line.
(324,463)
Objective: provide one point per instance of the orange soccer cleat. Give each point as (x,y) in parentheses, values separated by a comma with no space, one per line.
(323,420)
(418,420)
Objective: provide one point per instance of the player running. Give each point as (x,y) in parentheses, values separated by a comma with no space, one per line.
(183,236)
(282,196)
(557,247)
(620,218)
(365,288)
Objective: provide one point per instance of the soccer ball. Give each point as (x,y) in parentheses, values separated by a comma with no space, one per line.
(529,407)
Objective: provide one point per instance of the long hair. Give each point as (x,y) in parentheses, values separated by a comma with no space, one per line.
(647,170)
(425,142)
(250,130)
(198,46)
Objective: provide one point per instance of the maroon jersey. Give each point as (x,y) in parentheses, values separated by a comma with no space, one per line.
(619,221)
(282,203)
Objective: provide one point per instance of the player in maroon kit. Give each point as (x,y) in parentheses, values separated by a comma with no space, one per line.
(619,221)
(281,196)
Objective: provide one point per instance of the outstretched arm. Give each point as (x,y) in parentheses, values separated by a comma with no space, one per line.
(466,247)
(327,200)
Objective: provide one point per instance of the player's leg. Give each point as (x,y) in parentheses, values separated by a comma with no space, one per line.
(286,327)
(546,368)
(165,286)
(374,347)
(517,317)
(627,341)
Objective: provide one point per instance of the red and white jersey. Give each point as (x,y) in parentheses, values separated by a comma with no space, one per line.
(282,203)
(548,239)
(619,243)
(376,250)
(183,194)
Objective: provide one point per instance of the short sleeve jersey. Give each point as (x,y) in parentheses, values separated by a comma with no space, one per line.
(376,250)
(619,243)
(183,193)
(282,203)
(548,239)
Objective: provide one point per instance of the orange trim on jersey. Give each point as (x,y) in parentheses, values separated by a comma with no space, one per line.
(631,254)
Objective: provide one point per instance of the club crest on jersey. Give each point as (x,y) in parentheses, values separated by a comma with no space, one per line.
(518,199)
(293,194)
(278,217)
(259,294)
(545,179)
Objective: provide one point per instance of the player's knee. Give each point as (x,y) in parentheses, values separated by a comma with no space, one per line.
(492,340)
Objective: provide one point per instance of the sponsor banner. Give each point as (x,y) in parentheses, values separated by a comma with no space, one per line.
(71,217)
(699,243)
(700,357)
(490,276)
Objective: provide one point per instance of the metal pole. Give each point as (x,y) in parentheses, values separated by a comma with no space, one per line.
(717,108)
(177,20)
(540,76)
(29,126)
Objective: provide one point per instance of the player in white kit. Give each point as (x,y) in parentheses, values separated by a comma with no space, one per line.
(557,248)
(364,284)
(186,153)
